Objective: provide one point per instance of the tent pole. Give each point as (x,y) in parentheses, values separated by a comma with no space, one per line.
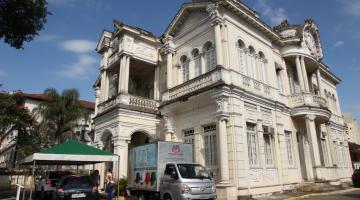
(32,179)
(118,181)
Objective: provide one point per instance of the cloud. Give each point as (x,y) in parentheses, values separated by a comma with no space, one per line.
(78,46)
(81,69)
(3,72)
(275,15)
(351,7)
(338,44)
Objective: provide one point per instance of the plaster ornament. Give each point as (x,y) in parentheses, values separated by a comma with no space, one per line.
(222,105)
(310,42)
(288,33)
(167,124)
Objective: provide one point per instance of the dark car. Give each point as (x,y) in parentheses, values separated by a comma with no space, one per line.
(77,187)
(356,178)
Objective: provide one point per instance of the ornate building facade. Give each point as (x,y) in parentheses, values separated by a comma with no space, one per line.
(258,104)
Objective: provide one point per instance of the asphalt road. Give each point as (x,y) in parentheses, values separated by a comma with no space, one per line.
(346,196)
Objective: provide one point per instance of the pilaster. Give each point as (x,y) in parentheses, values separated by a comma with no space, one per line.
(216,22)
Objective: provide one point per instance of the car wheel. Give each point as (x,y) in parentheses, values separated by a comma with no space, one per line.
(167,197)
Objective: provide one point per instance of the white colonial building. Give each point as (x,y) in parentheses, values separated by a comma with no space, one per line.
(258,104)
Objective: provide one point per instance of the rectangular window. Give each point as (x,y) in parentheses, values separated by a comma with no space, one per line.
(268,149)
(289,148)
(210,146)
(252,144)
(189,139)
(279,80)
(325,154)
(210,59)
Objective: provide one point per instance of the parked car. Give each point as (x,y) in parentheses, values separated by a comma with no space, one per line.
(77,187)
(46,185)
(356,178)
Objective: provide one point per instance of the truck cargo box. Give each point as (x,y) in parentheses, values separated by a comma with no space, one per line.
(147,162)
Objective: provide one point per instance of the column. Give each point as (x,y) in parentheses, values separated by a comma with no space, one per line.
(169,66)
(223,159)
(127,74)
(121,149)
(121,75)
(97,99)
(299,73)
(218,44)
(318,77)
(313,139)
(306,81)
(103,85)
(156,82)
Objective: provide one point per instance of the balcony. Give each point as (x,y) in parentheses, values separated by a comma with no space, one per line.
(129,101)
(307,99)
(194,85)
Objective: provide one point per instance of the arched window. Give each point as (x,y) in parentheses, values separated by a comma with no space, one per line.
(241,55)
(197,62)
(261,66)
(210,58)
(185,68)
(251,62)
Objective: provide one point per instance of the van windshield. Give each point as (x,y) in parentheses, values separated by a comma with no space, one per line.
(192,171)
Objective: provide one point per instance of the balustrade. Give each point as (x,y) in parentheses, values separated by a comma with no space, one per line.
(138,103)
(309,99)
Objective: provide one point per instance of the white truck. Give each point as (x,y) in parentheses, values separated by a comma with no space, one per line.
(165,170)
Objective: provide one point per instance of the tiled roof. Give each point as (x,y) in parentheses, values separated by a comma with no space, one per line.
(89,105)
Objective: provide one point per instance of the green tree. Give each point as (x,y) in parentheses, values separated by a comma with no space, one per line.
(21,20)
(12,113)
(60,112)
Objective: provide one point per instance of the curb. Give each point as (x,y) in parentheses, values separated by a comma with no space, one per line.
(323,194)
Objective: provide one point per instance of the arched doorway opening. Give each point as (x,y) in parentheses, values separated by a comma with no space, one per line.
(137,139)
(108,145)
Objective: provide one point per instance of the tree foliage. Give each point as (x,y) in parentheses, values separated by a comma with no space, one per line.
(21,20)
(12,113)
(61,112)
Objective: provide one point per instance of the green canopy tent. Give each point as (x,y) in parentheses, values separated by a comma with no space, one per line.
(69,153)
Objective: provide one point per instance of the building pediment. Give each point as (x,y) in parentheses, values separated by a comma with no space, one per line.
(104,41)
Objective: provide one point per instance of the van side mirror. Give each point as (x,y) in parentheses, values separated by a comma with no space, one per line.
(174,175)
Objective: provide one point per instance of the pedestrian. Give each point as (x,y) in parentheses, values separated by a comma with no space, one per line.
(96,178)
(109,185)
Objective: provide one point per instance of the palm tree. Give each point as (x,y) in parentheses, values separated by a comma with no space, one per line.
(60,112)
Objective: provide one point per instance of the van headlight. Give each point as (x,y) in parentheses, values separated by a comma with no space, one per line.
(213,189)
(185,188)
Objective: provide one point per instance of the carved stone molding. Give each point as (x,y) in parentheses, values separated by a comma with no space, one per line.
(168,124)
(213,10)
(310,117)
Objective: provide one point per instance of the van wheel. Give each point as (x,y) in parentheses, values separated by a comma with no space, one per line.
(167,197)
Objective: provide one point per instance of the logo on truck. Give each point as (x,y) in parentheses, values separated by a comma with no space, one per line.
(176,149)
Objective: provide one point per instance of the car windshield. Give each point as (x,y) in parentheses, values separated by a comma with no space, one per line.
(192,171)
(78,182)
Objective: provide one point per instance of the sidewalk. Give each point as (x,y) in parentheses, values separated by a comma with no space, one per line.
(305,195)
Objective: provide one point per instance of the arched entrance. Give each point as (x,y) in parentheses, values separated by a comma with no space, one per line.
(138,138)
(108,145)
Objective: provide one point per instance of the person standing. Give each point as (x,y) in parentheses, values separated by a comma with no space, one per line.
(109,185)
(96,178)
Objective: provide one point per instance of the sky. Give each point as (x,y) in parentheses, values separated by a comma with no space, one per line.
(63,55)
